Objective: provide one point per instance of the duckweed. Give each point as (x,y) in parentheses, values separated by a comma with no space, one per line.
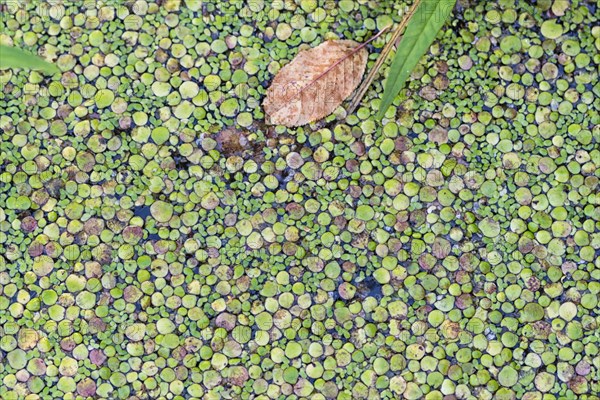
(159,241)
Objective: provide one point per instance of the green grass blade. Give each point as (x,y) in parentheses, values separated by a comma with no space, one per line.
(12,57)
(420,32)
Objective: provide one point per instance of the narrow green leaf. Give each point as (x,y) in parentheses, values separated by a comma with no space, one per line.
(12,57)
(422,29)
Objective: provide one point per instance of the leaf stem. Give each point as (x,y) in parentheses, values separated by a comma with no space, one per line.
(362,89)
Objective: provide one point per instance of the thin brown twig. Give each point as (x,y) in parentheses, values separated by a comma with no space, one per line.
(362,89)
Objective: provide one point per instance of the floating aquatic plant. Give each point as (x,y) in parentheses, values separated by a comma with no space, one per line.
(159,240)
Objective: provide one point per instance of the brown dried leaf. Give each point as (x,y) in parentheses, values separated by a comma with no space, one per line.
(315,83)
